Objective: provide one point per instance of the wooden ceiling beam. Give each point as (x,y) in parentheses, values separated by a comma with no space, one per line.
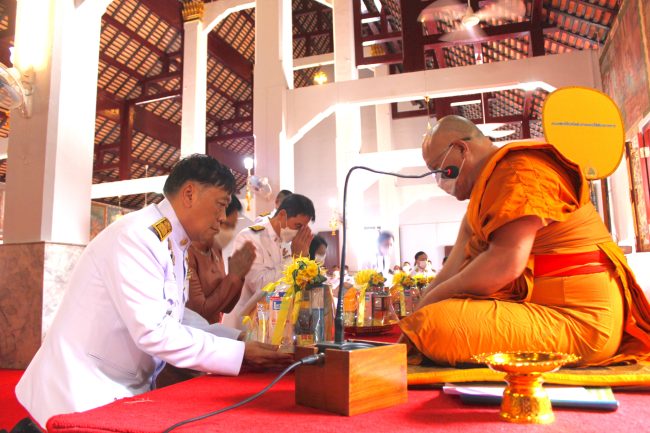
(110,61)
(575,17)
(170,12)
(228,157)
(577,36)
(589,4)
(123,28)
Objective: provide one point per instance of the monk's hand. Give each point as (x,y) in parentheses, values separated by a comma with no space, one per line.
(265,356)
(241,261)
(302,241)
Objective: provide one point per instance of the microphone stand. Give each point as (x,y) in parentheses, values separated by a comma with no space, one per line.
(339,342)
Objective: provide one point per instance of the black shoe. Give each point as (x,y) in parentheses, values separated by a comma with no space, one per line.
(26,425)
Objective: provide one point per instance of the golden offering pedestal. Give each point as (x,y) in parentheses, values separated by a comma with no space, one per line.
(525,400)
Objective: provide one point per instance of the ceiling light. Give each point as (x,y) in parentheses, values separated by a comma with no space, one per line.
(320,77)
(470,21)
(461,103)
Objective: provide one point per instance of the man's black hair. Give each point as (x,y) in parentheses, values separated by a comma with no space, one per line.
(297,204)
(316,242)
(385,235)
(418,254)
(203,169)
(234,206)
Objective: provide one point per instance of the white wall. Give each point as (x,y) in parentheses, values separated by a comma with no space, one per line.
(315,169)
(429,224)
(407,133)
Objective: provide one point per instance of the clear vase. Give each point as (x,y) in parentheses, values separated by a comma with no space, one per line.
(315,318)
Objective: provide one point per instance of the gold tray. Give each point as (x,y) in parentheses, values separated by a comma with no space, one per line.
(370,330)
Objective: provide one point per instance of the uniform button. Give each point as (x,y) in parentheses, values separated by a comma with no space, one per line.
(184,242)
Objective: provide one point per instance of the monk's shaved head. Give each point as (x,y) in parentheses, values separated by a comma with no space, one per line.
(456,141)
(459,124)
(447,130)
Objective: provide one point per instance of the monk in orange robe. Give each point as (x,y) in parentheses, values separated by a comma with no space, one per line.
(533,268)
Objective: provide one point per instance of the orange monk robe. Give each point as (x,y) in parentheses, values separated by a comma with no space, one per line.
(603,317)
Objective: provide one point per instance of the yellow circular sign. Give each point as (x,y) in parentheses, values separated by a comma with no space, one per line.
(586,126)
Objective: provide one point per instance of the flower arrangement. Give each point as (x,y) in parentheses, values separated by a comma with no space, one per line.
(369,277)
(303,273)
(402,279)
(421,280)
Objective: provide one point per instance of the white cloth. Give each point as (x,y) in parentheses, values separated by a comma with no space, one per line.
(120,320)
(271,257)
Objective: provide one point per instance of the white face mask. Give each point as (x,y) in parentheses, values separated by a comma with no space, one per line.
(320,258)
(224,237)
(422,264)
(286,234)
(444,183)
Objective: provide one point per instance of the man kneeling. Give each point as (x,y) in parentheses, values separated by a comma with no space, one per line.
(120,320)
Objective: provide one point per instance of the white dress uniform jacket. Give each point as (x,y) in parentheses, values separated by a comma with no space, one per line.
(120,321)
(271,258)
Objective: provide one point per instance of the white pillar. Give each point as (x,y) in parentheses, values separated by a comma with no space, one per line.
(388,194)
(273,76)
(195,69)
(49,171)
(348,128)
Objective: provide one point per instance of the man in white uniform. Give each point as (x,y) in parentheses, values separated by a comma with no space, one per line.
(278,200)
(276,241)
(120,319)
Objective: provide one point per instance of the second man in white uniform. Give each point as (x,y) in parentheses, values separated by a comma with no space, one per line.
(276,241)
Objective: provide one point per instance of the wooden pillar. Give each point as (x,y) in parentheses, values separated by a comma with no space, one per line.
(536,39)
(412,37)
(126,135)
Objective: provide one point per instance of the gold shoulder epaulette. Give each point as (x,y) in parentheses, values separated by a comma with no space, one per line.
(161,228)
(256,228)
(265,214)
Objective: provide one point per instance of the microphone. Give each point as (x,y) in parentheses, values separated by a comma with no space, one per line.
(449,172)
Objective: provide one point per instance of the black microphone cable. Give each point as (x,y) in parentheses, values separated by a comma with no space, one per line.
(309,360)
(449,172)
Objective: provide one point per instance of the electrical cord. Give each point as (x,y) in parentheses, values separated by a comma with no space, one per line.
(312,359)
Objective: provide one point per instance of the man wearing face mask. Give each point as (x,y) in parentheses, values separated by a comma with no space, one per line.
(534,268)
(422,265)
(212,292)
(276,241)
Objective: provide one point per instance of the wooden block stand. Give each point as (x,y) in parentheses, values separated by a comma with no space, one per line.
(353,382)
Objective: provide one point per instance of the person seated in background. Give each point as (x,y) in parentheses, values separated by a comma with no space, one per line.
(382,261)
(120,319)
(533,268)
(277,240)
(278,200)
(213,292)
(422,264)
(406,267)
(318,249)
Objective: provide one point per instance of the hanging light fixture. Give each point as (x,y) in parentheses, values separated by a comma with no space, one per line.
(248,165)
(320,77)
(146,174)
(335,219)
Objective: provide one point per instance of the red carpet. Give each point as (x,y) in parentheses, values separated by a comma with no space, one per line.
(427,410)
(10,410)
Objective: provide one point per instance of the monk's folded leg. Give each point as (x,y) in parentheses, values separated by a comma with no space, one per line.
(453,330)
